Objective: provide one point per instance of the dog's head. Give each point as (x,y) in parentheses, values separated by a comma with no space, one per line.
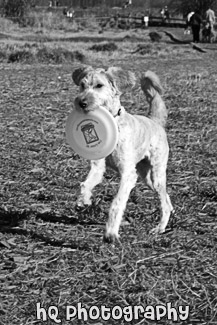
(100,87)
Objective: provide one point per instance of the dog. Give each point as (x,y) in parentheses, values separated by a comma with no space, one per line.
(142,147)
(208,34)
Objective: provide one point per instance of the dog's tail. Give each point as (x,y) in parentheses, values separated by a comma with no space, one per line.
(152,89)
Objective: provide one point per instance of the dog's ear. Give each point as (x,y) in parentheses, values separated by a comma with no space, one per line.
(123,80)
(80,73)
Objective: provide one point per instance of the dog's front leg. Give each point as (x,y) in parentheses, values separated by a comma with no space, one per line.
(128,181)
(94,177)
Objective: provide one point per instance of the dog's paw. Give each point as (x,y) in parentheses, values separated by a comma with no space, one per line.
(80,208)
(157,230)
(82,203)
(110,238)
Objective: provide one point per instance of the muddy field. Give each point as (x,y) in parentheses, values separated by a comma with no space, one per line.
(53,255)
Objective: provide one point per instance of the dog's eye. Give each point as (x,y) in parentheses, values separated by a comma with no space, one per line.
(99,86)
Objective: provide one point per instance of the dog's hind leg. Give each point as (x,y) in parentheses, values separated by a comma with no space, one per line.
(155,178)
(158,178)
(128,181)
(94,177)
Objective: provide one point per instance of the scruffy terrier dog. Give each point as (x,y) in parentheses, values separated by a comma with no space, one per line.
(142,147)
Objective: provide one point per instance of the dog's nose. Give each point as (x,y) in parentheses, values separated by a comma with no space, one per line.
(83,103)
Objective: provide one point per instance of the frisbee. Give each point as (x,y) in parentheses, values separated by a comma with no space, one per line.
(93,135)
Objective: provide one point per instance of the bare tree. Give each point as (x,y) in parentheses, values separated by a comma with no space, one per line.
(15,9)
(185,6)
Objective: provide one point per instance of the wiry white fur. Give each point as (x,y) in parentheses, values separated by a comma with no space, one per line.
(142,147)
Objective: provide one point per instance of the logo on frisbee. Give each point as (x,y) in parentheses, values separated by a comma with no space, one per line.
(89,133)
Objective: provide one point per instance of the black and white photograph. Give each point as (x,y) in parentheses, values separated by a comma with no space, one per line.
(108,162)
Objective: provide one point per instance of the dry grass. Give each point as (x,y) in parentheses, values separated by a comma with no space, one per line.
(53,254)
(110,47)
(36,53)
(60,49)
(47,21)
(7,26)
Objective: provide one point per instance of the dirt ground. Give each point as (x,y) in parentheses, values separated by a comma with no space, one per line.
(53,254)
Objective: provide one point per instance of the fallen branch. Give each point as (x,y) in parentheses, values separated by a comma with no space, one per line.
(175,39)
(198,48)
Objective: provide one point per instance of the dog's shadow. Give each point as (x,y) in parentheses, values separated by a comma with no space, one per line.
(13,222)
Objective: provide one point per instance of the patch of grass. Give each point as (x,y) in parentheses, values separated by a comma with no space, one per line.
(47,21)
(7,26)
(58,55)
(162,50)
(3,56)
(29,53)
(90,23)
(110,47)
(21,56)
(144,49)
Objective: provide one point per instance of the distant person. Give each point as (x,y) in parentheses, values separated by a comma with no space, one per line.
(196,22)
(166,13)
(162,13)
(127,4)
(210,18)
(188,24)
(70,13)
(189,18)
(146,20)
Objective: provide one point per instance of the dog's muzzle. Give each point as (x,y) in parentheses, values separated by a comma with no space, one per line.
(81,104)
